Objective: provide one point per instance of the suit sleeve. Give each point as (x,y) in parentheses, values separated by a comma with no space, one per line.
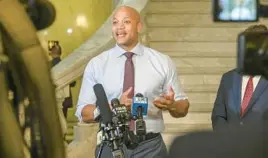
(219,115)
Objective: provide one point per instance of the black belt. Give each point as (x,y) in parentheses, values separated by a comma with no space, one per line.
(148,136)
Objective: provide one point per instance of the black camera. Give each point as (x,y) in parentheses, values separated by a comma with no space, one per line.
(42,13)
(252,56)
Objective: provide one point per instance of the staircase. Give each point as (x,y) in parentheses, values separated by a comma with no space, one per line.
(202,51)
(72,121)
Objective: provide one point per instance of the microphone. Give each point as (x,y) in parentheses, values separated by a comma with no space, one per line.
(115,103)
(102,104)
(139,95)
(120,111)
(139,101)
(139,108)
(108,130)
(41,12)
(121,118)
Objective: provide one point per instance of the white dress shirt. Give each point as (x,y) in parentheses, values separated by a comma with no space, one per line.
(153,73)
(245,82)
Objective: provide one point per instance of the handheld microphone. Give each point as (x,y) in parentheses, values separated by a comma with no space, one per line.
(139,101)
(110,134)
(102,104)
(120,111)
(139,108)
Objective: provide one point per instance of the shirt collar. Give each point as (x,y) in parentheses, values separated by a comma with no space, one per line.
(138,50)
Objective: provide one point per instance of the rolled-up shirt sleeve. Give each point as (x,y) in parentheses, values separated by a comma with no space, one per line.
(173,80)
(86,95)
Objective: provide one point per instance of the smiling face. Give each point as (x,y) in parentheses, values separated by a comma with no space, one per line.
(126,27)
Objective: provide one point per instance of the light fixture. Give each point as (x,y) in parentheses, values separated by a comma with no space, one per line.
(69,30)
(81,21)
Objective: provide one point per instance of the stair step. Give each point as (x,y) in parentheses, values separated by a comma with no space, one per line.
(192,118)
(204,62)
(200,107)
(70,131)
(71,115)
(193,34)
(188,54)
(200,47)
(194,79)
(200,88)
(72,119)
(158,19)
(203,70)
(201,98)
(180,7)
(71,125)
(182,128)
(69,138)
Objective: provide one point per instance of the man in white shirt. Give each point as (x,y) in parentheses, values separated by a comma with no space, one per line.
(154,76)
(241,99)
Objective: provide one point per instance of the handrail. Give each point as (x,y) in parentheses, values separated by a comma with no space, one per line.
(72,67)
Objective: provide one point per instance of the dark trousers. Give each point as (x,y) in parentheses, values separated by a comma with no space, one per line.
(153,148)
(65,111)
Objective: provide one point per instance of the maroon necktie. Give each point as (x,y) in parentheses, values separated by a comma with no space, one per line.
(247,96)
(129,80)
(129,74)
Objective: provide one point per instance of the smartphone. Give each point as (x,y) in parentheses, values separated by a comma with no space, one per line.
(235,10)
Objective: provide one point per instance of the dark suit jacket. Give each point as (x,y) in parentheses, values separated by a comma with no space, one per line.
(226,111)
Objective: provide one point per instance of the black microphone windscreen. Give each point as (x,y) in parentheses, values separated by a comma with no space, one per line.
(42,13)
(102,103)
(139,95)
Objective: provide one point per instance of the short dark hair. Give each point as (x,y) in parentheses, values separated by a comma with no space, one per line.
(256,28)
(56,49)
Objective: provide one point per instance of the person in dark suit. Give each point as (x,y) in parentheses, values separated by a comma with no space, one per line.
(56,58)
(241,99)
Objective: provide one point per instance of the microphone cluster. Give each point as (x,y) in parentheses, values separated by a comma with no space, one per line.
(115,122)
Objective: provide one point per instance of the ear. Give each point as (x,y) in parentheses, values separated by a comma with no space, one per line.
(139,27)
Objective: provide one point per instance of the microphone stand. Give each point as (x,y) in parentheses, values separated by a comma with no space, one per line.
(140,124)
(111,139)
(100,151)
